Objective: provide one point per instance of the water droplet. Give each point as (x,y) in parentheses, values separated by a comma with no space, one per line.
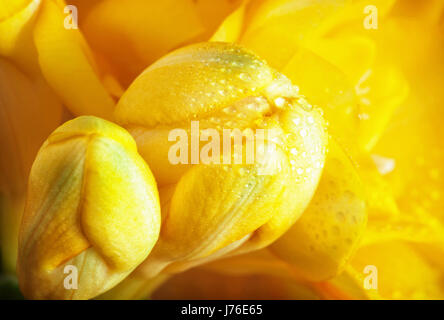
(244,76)
(297,121)
(279,102)
(434,174)
(304,104)
(336,230)
(229,110)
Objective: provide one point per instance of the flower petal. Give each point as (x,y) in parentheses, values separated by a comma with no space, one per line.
(323,239)
(67,64)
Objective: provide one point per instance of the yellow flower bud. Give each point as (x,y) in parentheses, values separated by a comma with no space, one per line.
(213,209)
(92,205)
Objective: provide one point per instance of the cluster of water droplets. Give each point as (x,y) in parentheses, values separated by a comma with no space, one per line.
(241,91)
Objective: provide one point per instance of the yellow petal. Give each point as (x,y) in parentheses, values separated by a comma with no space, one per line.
(381,201)
(275,29)
(29,111)
(16,21)
(380,88)
(173,90)
(275,280)
(423,231)
(202,283)
(304,19)
(323,239)
(308,20)
(135,287)
(387,90)
(414,137)
(231,212)
(155,28)
(230,30)
(349,285)
(67,64)
(11,7)
(402,271)
(273,43)
(353,55)
(428,12)
(335,95)
(213,14)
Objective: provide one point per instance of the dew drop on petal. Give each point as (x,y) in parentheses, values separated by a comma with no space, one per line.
(279,102)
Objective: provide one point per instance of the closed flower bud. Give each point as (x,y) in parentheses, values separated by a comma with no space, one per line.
(219,207)
(92,207)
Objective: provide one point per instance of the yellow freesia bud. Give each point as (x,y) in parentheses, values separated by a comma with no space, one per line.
(92,205)
(212,209)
